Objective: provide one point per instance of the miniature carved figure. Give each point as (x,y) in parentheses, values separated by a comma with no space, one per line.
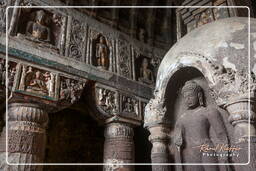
(146,75)
(107,100)
(38,30)
(23,78)
(65,90)
(192,130)
(102,54)
(71,90)
(37,84)
(49,78)
(11,75)
(129,105)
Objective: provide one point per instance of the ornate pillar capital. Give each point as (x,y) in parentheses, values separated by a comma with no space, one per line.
(155,112)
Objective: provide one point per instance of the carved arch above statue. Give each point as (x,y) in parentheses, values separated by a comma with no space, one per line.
(224,83)
(155,109)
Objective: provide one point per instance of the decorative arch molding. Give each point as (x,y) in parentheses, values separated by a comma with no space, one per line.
(225,84)
(155,109)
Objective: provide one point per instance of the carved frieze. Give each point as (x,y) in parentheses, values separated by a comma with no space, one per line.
(37,81)
(77,40)
(107,100)
(124,58)
(117,105)
(70,89)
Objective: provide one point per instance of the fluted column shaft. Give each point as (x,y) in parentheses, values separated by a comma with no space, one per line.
(118,146)
(159,153)
(26,136)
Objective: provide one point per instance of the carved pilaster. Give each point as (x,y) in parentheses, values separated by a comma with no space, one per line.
(242,117)
(159,153)
(26,137)
(118,147)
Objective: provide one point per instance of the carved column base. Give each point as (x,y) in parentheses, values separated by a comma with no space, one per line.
(26,137)
(159,153)
(118,147)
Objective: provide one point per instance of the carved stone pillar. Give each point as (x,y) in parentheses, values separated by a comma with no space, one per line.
(159,153)
(242,117)
(119,146)
(26,137)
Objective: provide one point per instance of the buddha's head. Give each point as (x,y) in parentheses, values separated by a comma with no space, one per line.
(192,94)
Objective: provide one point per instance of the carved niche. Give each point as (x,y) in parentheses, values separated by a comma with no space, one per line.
(76,46)
(70,89)
(37,81)
(124,58)
(101,51)
(130,107)
(144,70)
(107,100)
(42,27)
